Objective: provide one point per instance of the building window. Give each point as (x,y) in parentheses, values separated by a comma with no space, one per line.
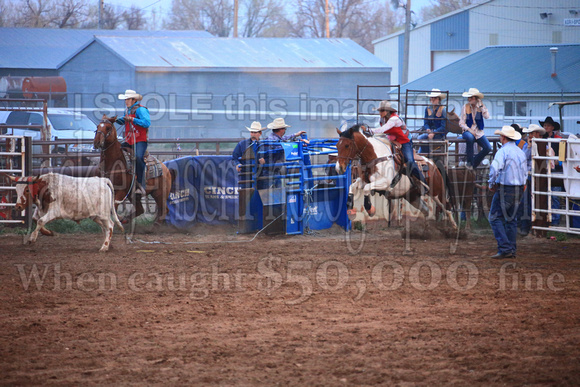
(520,108)
(493,39)
(556,36)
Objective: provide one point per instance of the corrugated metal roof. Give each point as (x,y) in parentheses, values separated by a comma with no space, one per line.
(508,69)
(244,54)
(46,48)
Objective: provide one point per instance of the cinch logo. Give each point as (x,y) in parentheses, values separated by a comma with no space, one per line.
(179,196)
(220,192)
(312,210)
(292,199)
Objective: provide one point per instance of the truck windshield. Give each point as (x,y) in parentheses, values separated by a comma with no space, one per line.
(71,122)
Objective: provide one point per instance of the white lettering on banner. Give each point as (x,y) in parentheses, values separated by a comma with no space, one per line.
(220,192)
(179,196)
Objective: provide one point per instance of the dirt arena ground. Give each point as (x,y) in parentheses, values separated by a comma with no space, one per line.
(306,310)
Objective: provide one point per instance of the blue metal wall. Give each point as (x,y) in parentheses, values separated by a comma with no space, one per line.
(451,33)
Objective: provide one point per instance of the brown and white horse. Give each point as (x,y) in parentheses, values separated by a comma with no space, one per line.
(114,166)
(380,175)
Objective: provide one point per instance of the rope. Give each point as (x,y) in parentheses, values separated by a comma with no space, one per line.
(307,200)
(195,243)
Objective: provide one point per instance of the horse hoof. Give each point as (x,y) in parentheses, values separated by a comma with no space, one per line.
(372,211)
(351,214)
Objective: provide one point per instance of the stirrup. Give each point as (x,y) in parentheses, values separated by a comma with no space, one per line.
(139,190)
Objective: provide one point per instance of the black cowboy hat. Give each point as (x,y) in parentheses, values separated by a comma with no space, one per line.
(517,128)
(549,120)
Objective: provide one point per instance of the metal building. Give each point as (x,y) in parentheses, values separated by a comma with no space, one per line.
(519,83)
(450,37)
(213,87)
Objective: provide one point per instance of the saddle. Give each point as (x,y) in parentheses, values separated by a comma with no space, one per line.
(152,164)
(397,151)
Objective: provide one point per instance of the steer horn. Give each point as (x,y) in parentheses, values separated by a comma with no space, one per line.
(14,179)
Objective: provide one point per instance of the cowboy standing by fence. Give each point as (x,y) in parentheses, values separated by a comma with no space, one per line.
(507,179)
(136,122)
(392,125)
(240,150)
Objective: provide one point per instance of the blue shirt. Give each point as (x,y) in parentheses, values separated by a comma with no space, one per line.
(509,167)
(434,123)
(142,117)
(288,137)
(240,149)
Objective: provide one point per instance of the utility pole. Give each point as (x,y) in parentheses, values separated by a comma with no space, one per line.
(326,21)
(235,18)
(101,5)
(406,43)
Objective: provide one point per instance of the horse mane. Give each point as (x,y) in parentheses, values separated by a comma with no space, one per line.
(349,132)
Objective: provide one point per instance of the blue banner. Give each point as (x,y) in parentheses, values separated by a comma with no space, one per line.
(205,190)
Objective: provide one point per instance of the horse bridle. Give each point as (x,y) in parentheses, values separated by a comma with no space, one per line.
(107,134)
(357,152)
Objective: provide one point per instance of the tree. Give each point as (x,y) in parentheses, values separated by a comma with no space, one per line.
(442,7)
(134,18)
(261,17)
(216,17)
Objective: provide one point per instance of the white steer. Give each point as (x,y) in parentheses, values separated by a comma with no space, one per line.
(63,197)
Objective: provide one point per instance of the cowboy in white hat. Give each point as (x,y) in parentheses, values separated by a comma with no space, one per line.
(435,120)
(255,133)
(471,121)
(136,122)
(507,178)
(278,127)
(394,127)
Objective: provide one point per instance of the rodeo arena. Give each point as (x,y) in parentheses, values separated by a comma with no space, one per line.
(279,234)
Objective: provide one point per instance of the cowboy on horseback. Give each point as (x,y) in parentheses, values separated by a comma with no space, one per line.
(396,129)
(136,122)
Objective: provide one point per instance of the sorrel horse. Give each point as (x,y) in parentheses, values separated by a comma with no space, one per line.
(114,166)
(380,175)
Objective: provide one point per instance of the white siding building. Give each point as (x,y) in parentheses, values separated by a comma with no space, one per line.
(444,40)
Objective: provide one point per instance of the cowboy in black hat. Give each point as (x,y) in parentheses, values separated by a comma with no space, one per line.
(551,128)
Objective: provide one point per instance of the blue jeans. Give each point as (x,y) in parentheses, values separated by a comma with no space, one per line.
(412,167)
(556,205)
(425,136)
(139,148)
(525,209)
(482,142)
(502,217)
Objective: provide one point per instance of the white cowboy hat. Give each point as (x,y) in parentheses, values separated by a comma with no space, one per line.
(509,132)
(534,128)
(278,123)
(131,94)
(472,92)
(255,127)
(385,106)
(436,93)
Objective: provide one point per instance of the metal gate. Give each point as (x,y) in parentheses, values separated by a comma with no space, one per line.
(16,160)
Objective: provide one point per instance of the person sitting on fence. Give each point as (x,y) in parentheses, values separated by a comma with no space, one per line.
(395,128)
(525,208)
(239,154)
(471,121)
(552,127)
(278,127)
(435,119)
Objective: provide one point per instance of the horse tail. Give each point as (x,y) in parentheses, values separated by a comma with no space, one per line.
(447,184)
(173,174)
